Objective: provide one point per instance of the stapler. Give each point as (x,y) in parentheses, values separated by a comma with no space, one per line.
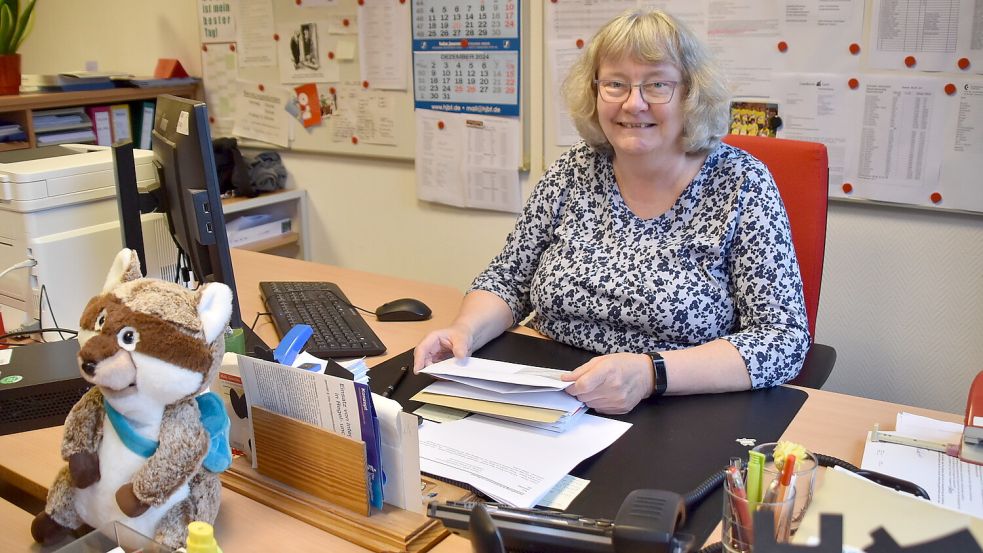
(971,447)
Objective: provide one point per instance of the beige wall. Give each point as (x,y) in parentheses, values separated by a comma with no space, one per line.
(120,35)
(902,298)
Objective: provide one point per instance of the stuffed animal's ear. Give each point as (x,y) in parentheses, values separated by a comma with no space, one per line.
(214,309)
(126,267)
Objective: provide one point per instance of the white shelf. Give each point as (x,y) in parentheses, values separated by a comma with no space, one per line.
(290,203)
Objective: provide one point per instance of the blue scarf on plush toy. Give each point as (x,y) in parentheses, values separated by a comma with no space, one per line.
(213,417)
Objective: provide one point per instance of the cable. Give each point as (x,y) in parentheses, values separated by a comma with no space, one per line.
(258,315)
(830,461)
(693,498)
(36,331)
(26,264)
(47,299)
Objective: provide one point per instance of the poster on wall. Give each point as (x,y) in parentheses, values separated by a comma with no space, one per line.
(217,21)
(466,56)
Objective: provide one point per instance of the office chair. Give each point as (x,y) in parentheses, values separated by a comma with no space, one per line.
(801,171)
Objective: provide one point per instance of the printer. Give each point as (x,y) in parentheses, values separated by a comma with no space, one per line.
(58,208)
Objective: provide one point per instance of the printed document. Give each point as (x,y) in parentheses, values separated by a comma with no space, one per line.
(948,480)
(336,404)
(511,463)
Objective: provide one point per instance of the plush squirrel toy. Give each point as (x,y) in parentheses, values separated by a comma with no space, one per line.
(144,446)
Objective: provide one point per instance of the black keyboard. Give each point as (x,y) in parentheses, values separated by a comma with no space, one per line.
(339,331)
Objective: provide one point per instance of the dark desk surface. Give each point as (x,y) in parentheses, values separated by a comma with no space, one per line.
(675,442)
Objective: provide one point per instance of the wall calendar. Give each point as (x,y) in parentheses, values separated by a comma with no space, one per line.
(466,56)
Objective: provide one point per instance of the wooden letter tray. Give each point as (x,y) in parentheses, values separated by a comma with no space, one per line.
(320,478)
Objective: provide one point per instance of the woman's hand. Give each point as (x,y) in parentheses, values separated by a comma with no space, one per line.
(613,383)
(454,341)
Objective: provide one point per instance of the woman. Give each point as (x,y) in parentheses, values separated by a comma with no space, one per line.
(650,242)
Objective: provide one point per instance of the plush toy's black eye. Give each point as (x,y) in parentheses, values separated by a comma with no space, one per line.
(100,320)
(127,338)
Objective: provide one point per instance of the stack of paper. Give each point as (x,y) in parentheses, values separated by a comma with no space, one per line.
(62,125)
(949,481)
(550,410)
(11,132)
(511,463)
(518,393)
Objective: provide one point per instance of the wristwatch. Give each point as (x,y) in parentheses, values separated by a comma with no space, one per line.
(659,368)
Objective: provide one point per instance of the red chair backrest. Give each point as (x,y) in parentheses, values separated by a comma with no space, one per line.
(801,171)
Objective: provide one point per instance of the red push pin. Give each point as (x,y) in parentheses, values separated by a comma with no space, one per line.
(783,46)
(361,2)
(345,22)
(354,140)
(261,87)
(950,89)
(330,55)
(963,63)
(299,2)
(276,37)
(936,198)
(204,47)
(854,48)
(464,43)
(232,47)
(365,84)
(580,43)
(910,61)
(554,1)
(440,125)
(853,83)
(847,188)
(211,119)
(331,90)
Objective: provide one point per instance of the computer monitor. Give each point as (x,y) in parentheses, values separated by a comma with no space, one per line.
(189,194)
(128,200)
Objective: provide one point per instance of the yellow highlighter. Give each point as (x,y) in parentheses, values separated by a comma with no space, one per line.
(755,466)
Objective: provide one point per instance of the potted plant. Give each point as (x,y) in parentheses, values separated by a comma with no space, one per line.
(15,25)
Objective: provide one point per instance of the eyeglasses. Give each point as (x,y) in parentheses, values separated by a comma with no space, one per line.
(655,92)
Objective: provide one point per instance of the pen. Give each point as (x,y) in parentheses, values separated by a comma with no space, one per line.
(782,492)
(392,387)
(739,508)
(788,470)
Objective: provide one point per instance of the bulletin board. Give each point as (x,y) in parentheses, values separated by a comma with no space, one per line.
(897,97)
(335,70)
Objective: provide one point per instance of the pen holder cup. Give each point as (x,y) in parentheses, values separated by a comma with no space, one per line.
(805,480)
(739,516)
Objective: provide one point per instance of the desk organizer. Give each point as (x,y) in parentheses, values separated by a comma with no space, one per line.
(319,477)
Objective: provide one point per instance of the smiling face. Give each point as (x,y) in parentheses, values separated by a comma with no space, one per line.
(635,127)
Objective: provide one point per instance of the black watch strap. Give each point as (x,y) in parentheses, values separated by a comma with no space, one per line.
(659,368)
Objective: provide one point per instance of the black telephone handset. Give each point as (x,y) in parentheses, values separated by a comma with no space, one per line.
(646,522)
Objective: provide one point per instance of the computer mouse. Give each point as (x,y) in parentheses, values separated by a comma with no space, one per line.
(403,309)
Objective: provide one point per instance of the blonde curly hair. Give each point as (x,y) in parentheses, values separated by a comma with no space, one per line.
(652,36)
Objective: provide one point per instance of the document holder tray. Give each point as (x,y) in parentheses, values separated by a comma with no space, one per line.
(319,477)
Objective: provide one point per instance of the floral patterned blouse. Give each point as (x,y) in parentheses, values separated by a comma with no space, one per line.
(718,264)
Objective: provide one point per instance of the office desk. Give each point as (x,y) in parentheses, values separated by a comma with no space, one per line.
(828,422)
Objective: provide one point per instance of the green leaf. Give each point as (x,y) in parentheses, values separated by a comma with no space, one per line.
(6,28)
(24,25)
